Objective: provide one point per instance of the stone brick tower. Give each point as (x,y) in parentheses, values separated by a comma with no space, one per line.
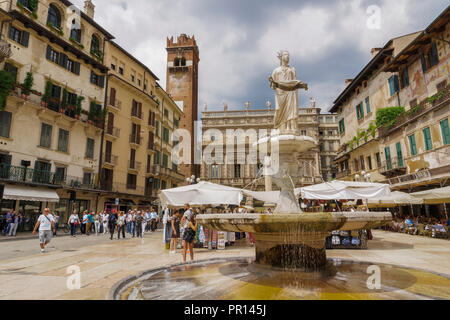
(182,85)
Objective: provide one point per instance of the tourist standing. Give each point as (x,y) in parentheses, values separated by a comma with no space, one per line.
(121,225)
(14,225)
(9,220)
(175,228)
(105,220)
(139,222)
(97,224)
(73,221)
(56,217)
(88,223)
(84,222)
(186,218)
(153,219)
(112,222)
(167,226)
(45,224)
(189,237)
(147,220)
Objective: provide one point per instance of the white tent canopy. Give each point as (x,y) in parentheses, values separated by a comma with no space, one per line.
(397,198)
(203,193)
(434,196)
(345,190)
(17,192)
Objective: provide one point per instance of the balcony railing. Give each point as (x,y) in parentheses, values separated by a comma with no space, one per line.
(134,165)
(110,159)
(22,174)
(393,167)
(113,131)
(342,174)
(77,182)
(135,139)
(116,104)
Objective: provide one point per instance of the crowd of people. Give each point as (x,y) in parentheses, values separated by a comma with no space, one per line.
(420,225)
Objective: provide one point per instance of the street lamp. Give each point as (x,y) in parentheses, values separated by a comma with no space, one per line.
(192,180)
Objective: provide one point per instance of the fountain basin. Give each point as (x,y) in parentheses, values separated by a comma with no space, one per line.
(293,241)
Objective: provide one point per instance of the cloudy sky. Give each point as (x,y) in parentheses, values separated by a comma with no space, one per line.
(329,41)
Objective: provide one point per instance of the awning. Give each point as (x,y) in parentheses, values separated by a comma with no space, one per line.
(345,190)
(434,196)
(14,192)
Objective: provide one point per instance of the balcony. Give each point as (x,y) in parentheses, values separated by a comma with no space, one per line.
(394,167)
(113,132)
(24,175)
(5,50)
(136,140)
(78,183)
(116,104)
(136,115)
(110,159)
(134,165)
(343,174)
(154,170)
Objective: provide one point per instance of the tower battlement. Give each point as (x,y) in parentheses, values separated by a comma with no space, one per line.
(182,40)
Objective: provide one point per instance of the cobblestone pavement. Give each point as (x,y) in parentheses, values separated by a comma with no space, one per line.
(25,273)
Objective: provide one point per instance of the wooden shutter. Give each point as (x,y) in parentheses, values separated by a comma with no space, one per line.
(77,68)
(140,110)
(92,77)
(112,97)
(63,60)
(110,122)
(138,133)
(101,81)
(25,38)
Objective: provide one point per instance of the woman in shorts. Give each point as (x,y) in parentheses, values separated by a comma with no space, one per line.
(189,237)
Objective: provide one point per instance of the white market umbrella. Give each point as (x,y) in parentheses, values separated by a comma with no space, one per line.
(345,190)
(396,198)
(202,193)
(434,196)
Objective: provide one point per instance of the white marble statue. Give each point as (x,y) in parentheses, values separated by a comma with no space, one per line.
(285,83)
(205,107)
(225,106)
(313,102)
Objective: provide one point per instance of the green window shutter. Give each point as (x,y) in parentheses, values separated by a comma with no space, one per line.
(361,108)
(5,123)
(358,116)
(62,60)
(399,154)
(412,145)
(387,152)
(77,68)
(63,140)
(101,81)
(445,132)
(434,54)
(427,139)
(25,38)
(46,135)
(368,105)
(424,62)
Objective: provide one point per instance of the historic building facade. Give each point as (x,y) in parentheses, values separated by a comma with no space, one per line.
(316,164)
(371,90)
(182,85)
(410,74)
(50,135)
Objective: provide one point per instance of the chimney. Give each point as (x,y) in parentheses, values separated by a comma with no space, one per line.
(348,81)
(375,51)
(89,9)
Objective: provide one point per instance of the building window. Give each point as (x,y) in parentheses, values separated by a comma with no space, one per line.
(393,85)
(121,70)
(87,179)
(157,158)
(60,174)
(97,80)
(19,36)
(368,105)
(356,164)
(387,152)
(132,78)
(445,132)
(237,171)
(215,171)
(360,111)
(412,144)
(163,185)
(54,56)
(5,123)
(157,128)
(95,44)
(90,143)
(377,156)
(156,184)
(46,135)
(165,161)
(363,164)
(369,162)
(75,32)
(131,181)
(399,155)
(63,140)
(166,134)
(54,17)
(341,126)
(434,57)
(405,78)
(166,113)
(427,139)
(113,66)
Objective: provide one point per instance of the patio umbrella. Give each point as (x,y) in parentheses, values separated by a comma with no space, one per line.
(394,199)
(434,196)
(345,190)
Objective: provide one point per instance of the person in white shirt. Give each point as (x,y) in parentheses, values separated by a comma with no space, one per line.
(73,221)
(147,219)
(46,224)
(105,220)
(167,226)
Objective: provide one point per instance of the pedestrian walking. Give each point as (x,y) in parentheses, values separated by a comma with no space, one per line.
(154,220)
(189,237)
(175,228)
(97,223)
(147,220)
(56,217)
(113,217)
(73,221)
(167,226)
(9,221)
(84,222)
(46,224)
(121,225)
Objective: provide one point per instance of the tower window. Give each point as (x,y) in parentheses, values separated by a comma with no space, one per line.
(183,62)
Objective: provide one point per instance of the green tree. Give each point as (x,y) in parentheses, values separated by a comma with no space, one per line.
(28,84)
(6,86)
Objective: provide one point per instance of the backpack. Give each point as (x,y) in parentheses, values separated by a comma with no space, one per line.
(112,218)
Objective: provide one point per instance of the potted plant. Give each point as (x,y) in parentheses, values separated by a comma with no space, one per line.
(47,93)
(6,86)
(27,85)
